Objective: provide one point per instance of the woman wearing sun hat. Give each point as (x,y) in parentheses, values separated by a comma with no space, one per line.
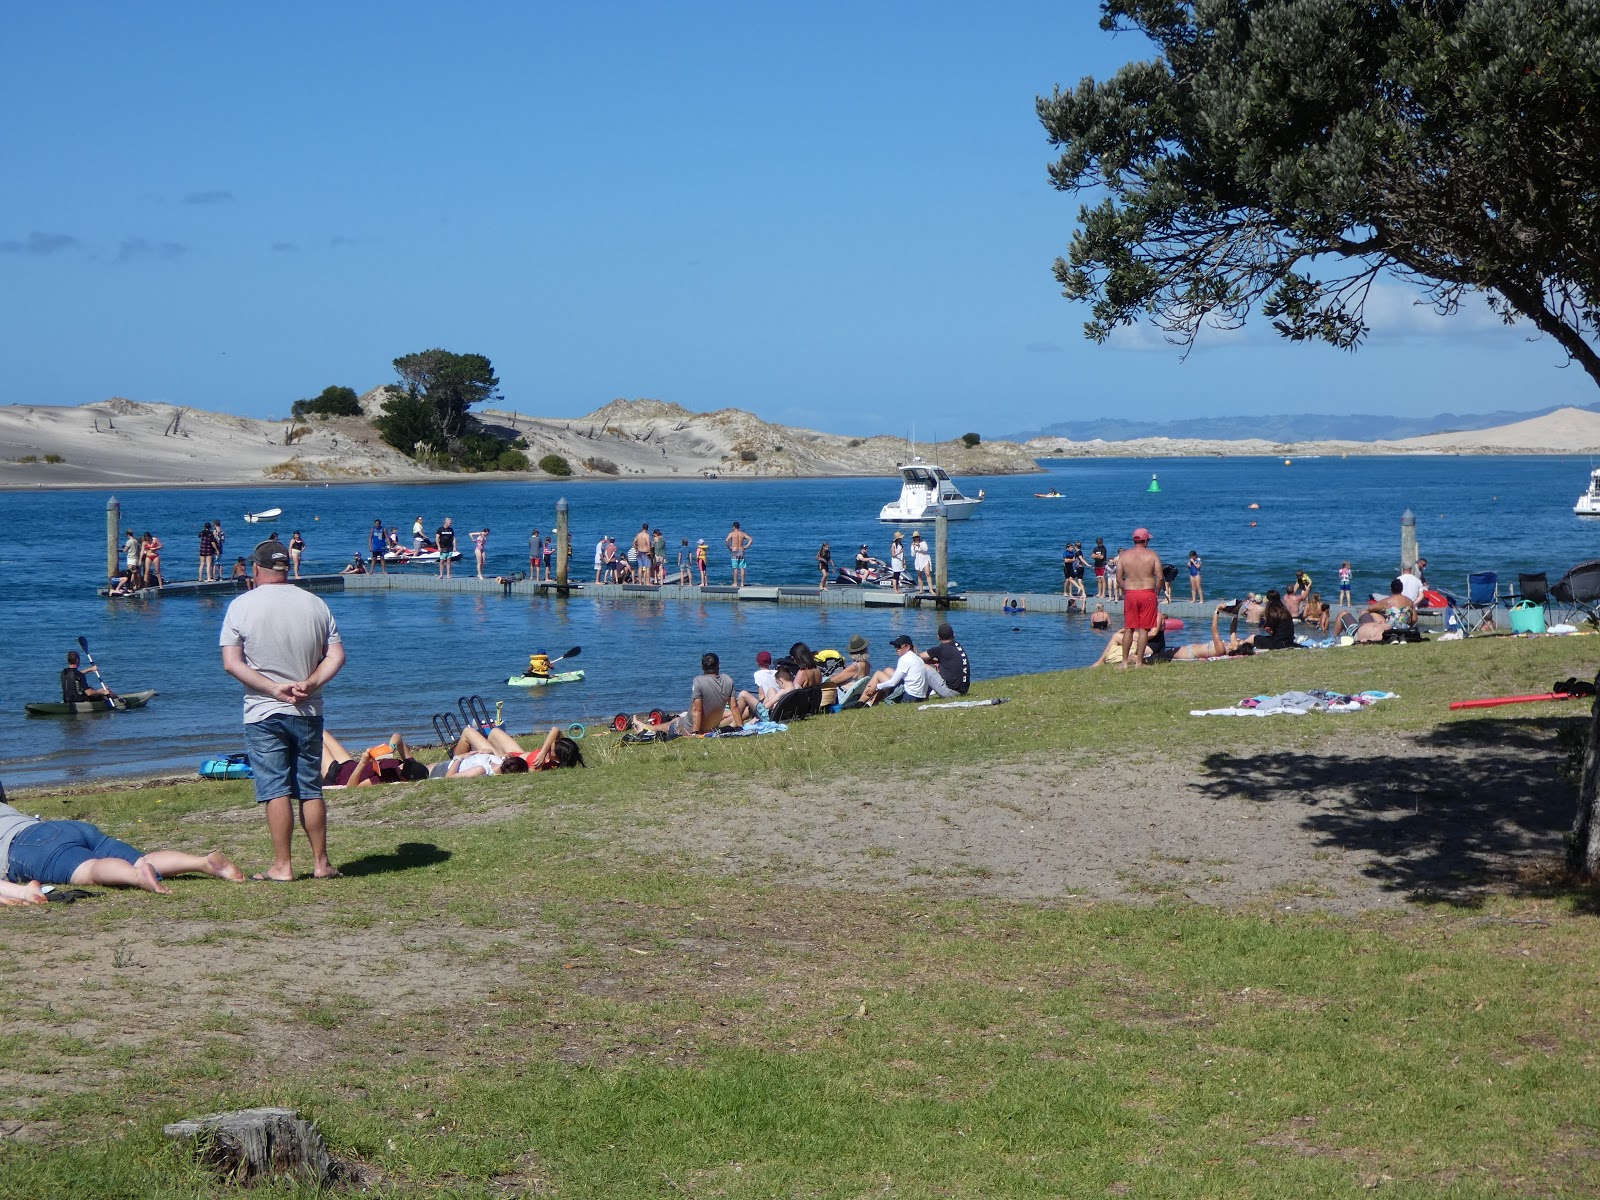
(897,559)
(700,560)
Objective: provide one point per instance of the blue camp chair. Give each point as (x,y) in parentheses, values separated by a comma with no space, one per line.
(1483,599)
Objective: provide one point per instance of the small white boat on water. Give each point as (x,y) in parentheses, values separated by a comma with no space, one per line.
(926,493)
(266,514)
(1588,504)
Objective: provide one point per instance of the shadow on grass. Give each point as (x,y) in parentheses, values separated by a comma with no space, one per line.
(407,856)
(1471,808)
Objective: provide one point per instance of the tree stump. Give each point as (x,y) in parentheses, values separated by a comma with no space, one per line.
(257,1143)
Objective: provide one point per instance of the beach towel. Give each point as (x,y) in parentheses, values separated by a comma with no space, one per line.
(961,704)
(1296,704)
(753,729)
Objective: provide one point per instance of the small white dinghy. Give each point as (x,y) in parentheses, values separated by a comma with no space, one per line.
(266,514)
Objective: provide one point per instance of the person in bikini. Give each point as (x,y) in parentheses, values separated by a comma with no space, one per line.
(1139,579)
(388,762)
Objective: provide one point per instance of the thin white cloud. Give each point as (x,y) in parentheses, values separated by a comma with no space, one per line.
(138,247)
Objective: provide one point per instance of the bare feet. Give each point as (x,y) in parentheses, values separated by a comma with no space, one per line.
(220,866)
(147,878)
(23,893)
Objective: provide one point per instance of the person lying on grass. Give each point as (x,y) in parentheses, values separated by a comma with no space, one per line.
(1218,647)
(497,753)
(34,852)
(388,762)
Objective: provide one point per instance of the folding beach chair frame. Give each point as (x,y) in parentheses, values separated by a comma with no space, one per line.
(1566,605)
(1477,612)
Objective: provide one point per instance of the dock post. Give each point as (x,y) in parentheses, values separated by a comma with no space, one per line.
(1408,540)
(113,535)
(563,542)
(941,560)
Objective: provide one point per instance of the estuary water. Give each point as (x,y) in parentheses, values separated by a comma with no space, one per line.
(411,655)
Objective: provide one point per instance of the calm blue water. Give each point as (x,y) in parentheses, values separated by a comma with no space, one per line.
(412,655)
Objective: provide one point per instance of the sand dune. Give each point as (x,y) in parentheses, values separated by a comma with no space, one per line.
(123,443)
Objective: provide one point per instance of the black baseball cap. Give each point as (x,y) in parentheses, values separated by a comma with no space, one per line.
(271,554)
(900,642)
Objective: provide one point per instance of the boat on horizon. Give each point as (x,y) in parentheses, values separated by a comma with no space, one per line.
(1588,504)
(926,493)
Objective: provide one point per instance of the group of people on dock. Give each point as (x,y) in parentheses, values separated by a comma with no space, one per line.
(1103,567)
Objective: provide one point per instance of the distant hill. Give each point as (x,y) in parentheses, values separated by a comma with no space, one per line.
(1303,427)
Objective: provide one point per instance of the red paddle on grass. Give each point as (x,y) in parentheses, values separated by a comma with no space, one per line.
(1497,701)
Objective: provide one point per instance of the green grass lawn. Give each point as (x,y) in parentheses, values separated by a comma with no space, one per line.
(507,997)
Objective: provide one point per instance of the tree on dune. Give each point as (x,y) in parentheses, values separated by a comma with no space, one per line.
(1288,153)
(439,389)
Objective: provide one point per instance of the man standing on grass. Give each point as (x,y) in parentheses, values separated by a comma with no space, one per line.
(282,644)
(1139,581)
(738,542)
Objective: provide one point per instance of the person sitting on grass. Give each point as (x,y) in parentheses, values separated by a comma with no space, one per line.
(910,680)
(34,852)
(388,762)
(710,695)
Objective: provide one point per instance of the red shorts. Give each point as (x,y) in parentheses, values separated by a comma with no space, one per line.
(1139,609)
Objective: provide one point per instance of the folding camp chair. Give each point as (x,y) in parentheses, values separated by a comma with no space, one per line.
(1535,589)
(1483,599)
(1577,594)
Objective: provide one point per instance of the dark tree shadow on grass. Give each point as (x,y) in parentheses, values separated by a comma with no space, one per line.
(1470,808)
(406,857)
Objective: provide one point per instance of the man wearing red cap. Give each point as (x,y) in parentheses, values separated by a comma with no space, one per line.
(1139,577)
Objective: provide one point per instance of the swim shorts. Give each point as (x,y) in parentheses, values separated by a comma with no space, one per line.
(738,564)
(1138,608)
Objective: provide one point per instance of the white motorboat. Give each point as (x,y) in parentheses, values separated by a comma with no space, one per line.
(1588,504)
(266,514)
(927,493)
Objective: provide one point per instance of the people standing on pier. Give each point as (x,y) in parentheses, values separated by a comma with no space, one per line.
(1113,586)
(150,552)
(282,644)
(600,557)
(738,543)
(535,556)
(658,557)
(824,563)
(130,553)
(921,561)
(222,541)
(897,559)
(1068,557)
(208,554)
(480,542)
(445,540)
(378,543)
(1080,568)
(297,548)
(1138,578)
(1197,591)
(701,556)
(549,557)
(683,563)
(1098,556)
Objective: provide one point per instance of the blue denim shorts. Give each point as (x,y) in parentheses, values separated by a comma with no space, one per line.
(52,850)
(286,756)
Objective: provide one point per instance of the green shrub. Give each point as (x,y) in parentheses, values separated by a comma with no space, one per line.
(971,439)
(334,402)
(748,456)
(28,458)
(54,458)
(554,464)
(603,465)
(511,460)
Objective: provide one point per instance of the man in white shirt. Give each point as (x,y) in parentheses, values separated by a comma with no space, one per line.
(1411,585)
(909,680)
(766,679)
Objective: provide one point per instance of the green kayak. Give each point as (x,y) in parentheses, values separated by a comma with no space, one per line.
(59,709)
(543,680)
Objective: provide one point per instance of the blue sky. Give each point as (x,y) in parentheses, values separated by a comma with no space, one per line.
(832,215)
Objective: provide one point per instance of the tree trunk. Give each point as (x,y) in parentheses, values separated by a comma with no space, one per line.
(257,1143)
(1583,857)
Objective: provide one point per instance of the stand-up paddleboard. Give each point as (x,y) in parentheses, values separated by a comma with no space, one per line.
(266,514)
(61,709)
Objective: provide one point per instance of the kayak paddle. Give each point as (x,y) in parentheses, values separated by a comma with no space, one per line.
(83,644)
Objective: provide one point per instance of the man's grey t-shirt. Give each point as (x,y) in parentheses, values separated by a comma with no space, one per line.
(12,823)
(713,692)
(285,632)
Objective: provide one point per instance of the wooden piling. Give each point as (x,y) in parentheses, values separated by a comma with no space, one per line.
(113,536)
(1408,540)
(941,560)
(563,544)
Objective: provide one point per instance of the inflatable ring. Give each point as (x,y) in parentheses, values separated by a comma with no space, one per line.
(575,731)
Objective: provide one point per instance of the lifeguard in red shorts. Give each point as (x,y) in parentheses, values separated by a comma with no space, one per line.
(1139,577)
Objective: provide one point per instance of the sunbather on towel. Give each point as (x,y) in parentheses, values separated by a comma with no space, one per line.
(1218,646)
(498,753)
